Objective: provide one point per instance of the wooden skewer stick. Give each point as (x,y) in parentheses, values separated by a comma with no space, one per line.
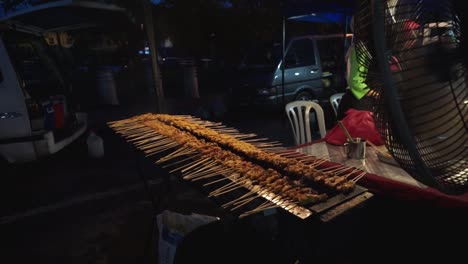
(337,168)
(306,158)
(244,202)
(264,144)
(343,170)
(225,187)
(230,177)
(252,192)
(140,130)
(162,149)
(386,154)
(155,144)
(158,148)
(346,176)
(205,170)
(215,181)
(257,140)
(229,185)
(133,133)
(243,136)
(357,178)
(142,136)
(208,168)
(273,150)
(132,129)
(227,130)
(228,190)
(143,139)
(331,168)
(257,210)
(151,141)
(195,164)
(262,207)
(291,154)
(179,152)
(202,167)
(213,174)
(132,126)
(188,164)
(179,161)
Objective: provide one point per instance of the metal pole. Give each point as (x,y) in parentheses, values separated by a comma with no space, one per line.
(149,27)
(283,51)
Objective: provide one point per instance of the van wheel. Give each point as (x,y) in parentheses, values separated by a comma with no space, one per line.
(304,96)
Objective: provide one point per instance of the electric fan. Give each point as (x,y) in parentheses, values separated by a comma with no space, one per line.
(414,51)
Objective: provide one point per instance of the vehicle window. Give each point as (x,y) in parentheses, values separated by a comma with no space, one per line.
(300,53)
(264,56)
(36,68)
(1,76)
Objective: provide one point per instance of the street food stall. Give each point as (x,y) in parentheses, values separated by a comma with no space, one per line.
(223,161)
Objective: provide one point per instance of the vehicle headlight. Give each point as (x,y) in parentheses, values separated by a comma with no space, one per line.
(263,91)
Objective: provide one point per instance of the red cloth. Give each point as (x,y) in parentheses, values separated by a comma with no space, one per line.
(59,115)
(410,24)
(360,124)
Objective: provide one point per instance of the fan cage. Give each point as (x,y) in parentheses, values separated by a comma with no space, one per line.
(424,41)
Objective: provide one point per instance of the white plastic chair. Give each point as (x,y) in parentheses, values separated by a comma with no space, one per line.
(335,102)
(299,115)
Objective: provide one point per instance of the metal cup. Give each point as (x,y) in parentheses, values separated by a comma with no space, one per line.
(355,149)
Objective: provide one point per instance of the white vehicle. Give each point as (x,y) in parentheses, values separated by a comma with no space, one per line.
(37,113)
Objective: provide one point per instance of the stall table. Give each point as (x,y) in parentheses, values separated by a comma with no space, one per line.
(384,178)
